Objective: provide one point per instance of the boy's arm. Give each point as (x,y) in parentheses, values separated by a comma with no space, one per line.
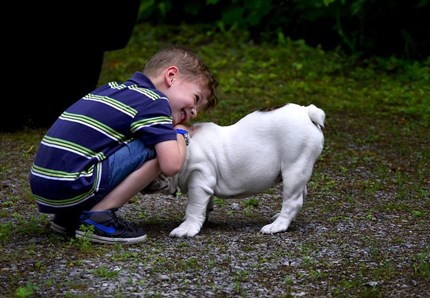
(171,154)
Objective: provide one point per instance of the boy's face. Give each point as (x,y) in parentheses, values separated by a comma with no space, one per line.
(185,99)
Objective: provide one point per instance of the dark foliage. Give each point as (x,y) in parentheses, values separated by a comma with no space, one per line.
(361,27)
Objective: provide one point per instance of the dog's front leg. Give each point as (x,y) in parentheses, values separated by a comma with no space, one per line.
(195,213)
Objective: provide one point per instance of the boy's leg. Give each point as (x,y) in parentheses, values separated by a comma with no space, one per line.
(131,170)
(130,186)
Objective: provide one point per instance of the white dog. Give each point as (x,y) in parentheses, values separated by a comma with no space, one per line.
(248,157)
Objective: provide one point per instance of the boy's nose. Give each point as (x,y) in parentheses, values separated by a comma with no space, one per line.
(193,113)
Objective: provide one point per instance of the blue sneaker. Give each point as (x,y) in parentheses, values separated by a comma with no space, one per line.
(108,228)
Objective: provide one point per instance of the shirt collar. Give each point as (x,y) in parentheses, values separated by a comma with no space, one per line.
(142,80)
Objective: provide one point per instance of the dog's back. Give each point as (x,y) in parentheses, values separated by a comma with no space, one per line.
(262,142)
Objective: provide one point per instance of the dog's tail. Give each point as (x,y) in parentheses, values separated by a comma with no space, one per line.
(316,115)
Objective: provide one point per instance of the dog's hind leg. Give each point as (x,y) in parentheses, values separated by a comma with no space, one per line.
(305,193)
(294,182)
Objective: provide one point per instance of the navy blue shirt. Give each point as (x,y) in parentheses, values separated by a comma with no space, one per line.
(71,163)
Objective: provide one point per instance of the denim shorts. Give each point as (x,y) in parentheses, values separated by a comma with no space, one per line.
(126,160)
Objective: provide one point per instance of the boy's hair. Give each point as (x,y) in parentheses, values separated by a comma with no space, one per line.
(191,67)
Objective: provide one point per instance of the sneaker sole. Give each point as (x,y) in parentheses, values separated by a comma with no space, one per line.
(57,228)
(110,240)
(61,230)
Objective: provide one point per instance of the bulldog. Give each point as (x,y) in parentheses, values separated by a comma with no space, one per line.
(260,150)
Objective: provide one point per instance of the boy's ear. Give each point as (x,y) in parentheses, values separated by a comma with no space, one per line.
(170,74)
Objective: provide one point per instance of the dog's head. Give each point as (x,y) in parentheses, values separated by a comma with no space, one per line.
(162,184)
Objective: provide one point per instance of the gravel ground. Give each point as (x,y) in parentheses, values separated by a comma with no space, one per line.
(315,257)
(341,245)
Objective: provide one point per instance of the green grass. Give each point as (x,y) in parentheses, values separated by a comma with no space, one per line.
(252,76)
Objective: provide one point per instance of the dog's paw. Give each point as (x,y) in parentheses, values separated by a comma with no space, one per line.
(279,225)
(185,230)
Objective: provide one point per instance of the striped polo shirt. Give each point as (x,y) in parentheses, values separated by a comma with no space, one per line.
(71,163)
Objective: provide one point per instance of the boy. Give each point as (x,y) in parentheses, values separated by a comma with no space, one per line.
(113,142)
